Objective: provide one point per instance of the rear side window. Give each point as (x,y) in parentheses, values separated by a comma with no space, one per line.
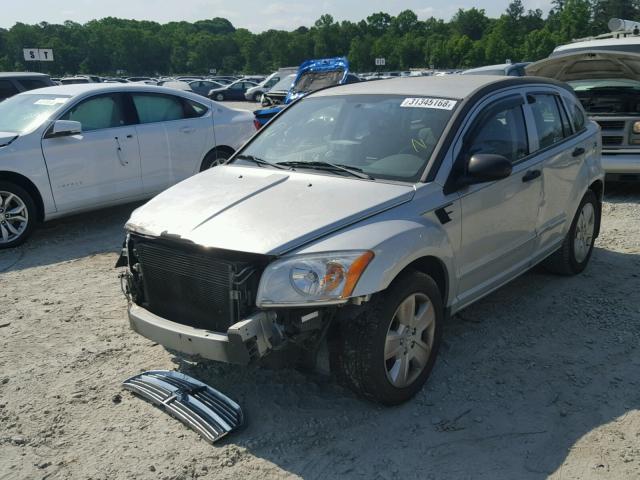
(104,111)
(502,131)
(153,108)
(577,115)
(32,83)
(547,119)
(194,109)
(7,89)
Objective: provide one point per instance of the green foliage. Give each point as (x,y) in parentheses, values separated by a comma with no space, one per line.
(469,39)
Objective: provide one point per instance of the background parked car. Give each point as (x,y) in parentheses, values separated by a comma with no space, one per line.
(12,83)
(507,69)
(233,91)
(203,87)
(71,148)
(255,93)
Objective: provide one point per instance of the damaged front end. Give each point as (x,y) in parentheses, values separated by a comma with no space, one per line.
(202,302)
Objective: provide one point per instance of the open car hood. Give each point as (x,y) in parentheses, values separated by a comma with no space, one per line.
(262,210)
(316,74)
(588,65)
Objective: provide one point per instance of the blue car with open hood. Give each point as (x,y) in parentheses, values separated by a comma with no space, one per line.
(312,75)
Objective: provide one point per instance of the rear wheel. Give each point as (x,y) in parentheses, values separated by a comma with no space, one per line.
(17,215)
(257,97)
(385,349)
(214,158)
(219,97)
(574,254)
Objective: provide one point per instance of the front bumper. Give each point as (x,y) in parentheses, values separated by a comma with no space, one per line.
(621,162)
(243,342)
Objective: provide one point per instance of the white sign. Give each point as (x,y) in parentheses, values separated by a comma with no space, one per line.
(38,54)
(380,62)
(438,103)
(213,71)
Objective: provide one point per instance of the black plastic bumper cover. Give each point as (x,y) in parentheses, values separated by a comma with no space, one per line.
(202,408)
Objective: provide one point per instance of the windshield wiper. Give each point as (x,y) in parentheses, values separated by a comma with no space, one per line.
(260,161)
(333,167)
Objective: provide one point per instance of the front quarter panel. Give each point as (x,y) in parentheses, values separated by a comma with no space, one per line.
(398,237)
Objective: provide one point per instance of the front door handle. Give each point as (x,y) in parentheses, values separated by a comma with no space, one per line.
(578,151)
(531,175)
(187,129)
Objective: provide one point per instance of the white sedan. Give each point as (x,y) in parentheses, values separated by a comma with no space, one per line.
(74,148)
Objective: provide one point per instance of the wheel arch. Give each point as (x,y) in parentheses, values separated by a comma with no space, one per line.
(29,186)
(436,269)
(597,187)
(217,148)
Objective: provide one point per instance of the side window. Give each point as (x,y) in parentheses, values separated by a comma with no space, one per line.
(501,131)
(104,111)
(577,115)
(32,84)
(547,118)
(153,108)
(7,89)
(194,109)
(237,86)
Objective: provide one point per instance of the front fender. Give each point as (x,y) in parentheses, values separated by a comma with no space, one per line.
(396,243)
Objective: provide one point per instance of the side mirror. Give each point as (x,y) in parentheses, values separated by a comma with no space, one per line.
(485,167)
(63,128)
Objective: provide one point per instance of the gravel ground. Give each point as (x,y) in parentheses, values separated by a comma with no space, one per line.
(538,380)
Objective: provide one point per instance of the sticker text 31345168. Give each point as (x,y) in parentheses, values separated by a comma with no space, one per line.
(439,103)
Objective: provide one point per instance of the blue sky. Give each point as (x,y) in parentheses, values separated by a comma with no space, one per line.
(256,15)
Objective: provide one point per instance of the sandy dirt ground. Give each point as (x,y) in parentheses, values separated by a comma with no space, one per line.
(539,380)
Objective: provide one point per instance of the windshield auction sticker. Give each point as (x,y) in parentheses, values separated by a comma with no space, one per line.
(439,103)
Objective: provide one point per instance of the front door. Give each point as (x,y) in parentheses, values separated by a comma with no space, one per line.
(498,218)
(99,166)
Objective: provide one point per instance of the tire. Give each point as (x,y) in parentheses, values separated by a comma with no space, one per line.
(358,345)
(570,259)
(257,97)
(214,158)
(15,203)
(219,97)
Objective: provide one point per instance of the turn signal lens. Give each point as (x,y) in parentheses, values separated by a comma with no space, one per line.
(355,271)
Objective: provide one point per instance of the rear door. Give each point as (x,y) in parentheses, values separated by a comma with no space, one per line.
(562,151)
(175,134)
(99,166)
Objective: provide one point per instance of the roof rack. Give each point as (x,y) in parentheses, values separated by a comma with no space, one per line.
(619,29)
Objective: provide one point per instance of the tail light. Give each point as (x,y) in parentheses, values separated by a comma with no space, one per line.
(256,124)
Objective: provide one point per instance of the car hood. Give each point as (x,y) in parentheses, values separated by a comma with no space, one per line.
(302,84)
(588,65)
(262,210)
(7,137)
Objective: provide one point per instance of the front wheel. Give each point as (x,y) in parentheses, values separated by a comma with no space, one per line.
(257,97)
(219,97)
(17,215)
(574,254)
(214,158)
(385,349)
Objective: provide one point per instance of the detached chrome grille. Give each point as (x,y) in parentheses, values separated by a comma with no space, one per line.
(191,286)
(611,124)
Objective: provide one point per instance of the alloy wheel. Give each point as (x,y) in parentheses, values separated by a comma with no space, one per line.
(409,340)
(14,217)
(585,229)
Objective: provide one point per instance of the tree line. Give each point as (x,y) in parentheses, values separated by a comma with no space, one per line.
(469,39)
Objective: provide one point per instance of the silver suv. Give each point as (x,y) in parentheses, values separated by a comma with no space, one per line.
(362,217)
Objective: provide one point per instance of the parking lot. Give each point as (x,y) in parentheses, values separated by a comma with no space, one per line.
(539,379)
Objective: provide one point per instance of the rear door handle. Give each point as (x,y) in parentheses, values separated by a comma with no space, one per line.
(578,151)
(187,129)
(531,175)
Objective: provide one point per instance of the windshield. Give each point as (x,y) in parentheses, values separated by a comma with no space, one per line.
(381,136)
(23,113)
(608,96)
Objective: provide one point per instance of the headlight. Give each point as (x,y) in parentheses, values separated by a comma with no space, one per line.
(636,127)
(318,278)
